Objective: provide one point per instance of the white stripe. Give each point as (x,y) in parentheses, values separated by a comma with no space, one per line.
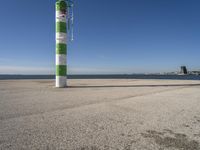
(58,13)
(60,17)
(61,81)
(61,59)
(61,38)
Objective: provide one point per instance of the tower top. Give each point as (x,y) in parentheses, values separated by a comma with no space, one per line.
(61,5)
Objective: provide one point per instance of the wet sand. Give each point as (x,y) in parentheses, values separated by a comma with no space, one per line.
(122,114)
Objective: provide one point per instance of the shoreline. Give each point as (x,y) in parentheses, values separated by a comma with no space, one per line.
(138,76)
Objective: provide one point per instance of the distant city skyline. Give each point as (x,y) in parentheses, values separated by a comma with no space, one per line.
(110,37)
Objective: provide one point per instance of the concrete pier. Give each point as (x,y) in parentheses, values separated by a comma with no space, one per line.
(100,114)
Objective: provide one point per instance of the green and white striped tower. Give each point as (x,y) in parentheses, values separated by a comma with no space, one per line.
(61,43)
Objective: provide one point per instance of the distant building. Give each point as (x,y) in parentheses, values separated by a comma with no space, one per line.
(184,70)
(194,72)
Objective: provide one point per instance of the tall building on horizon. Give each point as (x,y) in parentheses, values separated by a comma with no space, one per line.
(184,70)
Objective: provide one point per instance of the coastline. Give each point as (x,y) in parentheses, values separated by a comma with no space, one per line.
(106,76)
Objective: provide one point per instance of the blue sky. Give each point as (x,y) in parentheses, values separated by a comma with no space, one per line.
(110,36)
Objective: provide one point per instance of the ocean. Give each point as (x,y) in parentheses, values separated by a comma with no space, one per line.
(113,76)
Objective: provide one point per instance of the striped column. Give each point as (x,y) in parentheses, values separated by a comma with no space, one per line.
(61,44)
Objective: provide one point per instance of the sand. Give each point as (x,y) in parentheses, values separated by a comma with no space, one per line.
(102,114)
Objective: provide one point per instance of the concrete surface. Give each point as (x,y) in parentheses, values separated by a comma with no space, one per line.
(100,115)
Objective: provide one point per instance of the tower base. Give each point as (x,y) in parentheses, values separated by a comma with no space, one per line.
(61,82)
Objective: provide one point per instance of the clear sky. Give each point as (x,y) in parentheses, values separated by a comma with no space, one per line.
(111,36)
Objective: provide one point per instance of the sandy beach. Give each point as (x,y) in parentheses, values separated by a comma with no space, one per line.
(100,114)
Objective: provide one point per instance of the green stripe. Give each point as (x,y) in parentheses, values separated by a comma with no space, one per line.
(61,70)
(61,48)
(61,5)
(61,27)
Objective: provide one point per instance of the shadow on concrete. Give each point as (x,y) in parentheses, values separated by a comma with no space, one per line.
(116,86)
